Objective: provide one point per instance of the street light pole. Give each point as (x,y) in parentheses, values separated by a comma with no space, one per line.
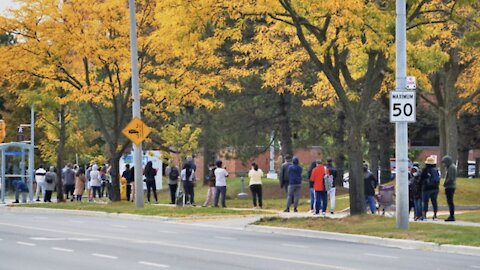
(137,149)
(31,155)
(401,128)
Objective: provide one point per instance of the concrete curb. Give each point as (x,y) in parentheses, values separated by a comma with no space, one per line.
(364,239)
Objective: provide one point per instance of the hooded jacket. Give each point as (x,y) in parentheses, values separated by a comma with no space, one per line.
(451,177)
(295,173)
(95,179)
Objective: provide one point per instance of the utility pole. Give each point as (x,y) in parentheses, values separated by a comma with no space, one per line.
(137,148)
(401,127)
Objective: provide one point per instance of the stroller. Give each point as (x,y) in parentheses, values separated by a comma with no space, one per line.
(385,198)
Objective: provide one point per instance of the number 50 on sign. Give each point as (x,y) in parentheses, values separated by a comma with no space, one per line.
(402,106)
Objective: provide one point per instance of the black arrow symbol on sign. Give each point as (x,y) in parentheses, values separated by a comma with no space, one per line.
(133,131)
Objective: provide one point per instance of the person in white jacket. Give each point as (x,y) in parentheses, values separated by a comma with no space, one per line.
(41,185)
(95,180)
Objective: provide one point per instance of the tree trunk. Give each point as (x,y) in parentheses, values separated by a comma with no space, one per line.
(355,157)
(284,122)
(115,174)
(61,153)
(373,146)
(452,135)
(339,139)
(385,134)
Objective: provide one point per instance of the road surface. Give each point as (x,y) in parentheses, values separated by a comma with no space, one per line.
(37,241)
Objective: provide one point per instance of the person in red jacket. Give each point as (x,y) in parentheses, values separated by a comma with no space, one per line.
(319,187)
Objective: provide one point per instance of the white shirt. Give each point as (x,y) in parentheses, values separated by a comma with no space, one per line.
(95,178)
(183,175)
(40,175)
(255,177)
(221,177)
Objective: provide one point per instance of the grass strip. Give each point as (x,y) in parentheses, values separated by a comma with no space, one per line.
(382,227)
(147,210)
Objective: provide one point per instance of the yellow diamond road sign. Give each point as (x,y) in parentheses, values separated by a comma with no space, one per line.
(136,131)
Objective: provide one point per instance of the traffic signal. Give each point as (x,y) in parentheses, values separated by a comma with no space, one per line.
(3,131)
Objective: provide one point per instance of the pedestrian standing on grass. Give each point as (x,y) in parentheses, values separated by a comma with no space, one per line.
(80,180)
(173,174)
(68,176)
(450,185)
(51,182)
(129,179)
(188,180)
(318,180)
(294,184)
(95,181)
(370,186)
(221,175)
(283,173)
(211,185)
(333,172)
(255,174)
(415,192)
(430,179)
(40,179)
(149,172)
(310,185)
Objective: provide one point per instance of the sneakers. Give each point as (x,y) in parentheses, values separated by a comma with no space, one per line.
(286,210)
(331,212)
(450,218)
(434,217)
(295,210)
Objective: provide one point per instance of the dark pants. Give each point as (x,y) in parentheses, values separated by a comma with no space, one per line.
(153,187)
(320,201)
(79,198)
(48,196)
(173,192)
(104,189)
(256,193)
(69,189)
(432,196)
(96,190)
(220,191)
(189,192)
(129,191)
(449,192)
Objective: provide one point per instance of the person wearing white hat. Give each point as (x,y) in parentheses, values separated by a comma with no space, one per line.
(430,179)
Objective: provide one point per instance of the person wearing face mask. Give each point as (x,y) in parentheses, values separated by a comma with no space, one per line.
(415,192)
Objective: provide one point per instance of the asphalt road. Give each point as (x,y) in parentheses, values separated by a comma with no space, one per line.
(30,240)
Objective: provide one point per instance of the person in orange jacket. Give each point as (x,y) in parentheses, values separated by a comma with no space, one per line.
(319,187)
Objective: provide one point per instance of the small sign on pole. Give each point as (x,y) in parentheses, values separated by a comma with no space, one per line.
(411,83)
(403,106)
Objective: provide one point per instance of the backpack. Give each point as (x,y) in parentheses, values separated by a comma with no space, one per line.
(433,178)
(327,181)
(174,174)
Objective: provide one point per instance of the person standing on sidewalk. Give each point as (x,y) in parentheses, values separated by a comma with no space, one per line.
(221,175)
(450,185)
(430,179)
(333,172)
(68,175)
(310,185)
(211,185)
(149,172)
(51,182)
(188,179)
(415,192)
(370,186)
(283,173)
(255,174)
(318,176)
(173,174)
(294,184)
(40,179)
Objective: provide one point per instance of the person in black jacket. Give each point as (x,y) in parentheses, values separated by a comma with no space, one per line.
(415,192)
(370,186)
(430,186)
(150,174)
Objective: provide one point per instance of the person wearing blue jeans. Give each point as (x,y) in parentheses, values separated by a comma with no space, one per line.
(312,191)
(320,201)
(370,185)
(430,187)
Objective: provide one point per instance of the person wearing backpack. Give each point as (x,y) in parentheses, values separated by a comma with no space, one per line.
(430,180)
(188,179)
(211,185)
(318,177)
(370,184)
(173,174)
(51,182)
(450,185)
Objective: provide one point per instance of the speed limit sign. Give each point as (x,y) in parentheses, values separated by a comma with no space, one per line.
(402,106)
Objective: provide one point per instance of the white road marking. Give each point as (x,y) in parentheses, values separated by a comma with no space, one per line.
(76,221)
(225,238)
(168,232)
(104,256)
(26,244)
(46,239)
(380,256)
(80,239)
(185,246)
(120,226)
(294,246)
(153,264)
(475,266)
(62,249)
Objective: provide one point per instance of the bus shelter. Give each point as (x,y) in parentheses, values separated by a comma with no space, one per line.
(13,158)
